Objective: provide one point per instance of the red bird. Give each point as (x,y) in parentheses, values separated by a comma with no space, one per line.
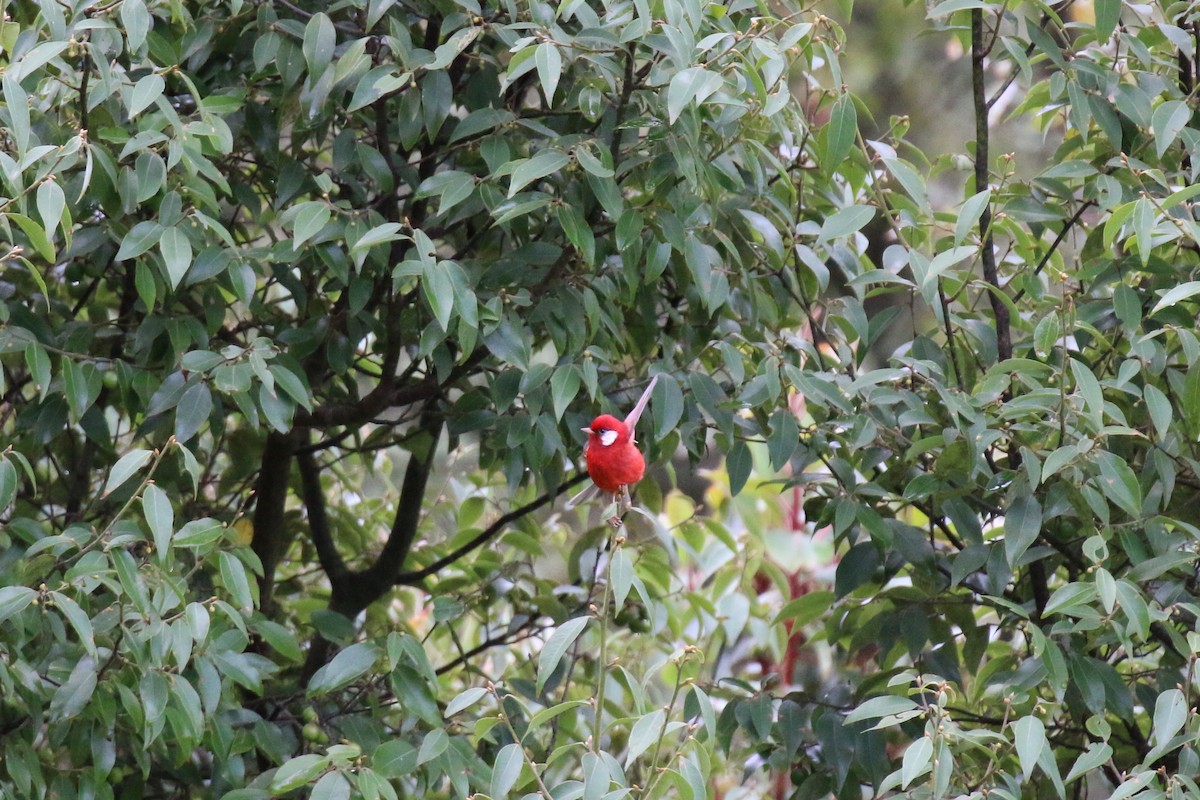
(613,460)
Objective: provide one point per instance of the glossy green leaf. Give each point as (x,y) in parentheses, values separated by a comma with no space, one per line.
(506,771)
(177,255)
(160,517)
(841,132)
(344,668)
(556,647)
(1029,733)
(547,162)
(1022,524)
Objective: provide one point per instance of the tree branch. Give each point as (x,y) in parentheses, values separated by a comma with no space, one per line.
(270,536)
(487,534)
(318,516)
(990,273)
(382,574)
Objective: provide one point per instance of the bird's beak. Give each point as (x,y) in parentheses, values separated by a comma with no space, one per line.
(587,430)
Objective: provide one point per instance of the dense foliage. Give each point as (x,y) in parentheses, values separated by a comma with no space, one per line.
(304,305)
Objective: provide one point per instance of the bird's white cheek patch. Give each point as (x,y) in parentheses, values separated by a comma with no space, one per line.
(607,438)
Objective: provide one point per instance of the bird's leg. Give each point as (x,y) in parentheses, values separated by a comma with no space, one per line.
(624,503)
(615,522)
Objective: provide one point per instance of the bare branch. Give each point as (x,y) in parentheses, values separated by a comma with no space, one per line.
(487,534)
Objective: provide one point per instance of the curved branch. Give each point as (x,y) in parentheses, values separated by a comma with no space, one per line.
(318,516)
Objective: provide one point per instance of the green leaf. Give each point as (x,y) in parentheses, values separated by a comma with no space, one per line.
(346,667)
(645,732)
(546,714)
(1097,754)
(140,238)
(14,599)
(451,186)
(883,706)
(667,405)
(916,761)
(1089,388)
(1176,294)
(434,744)
(1022,524)
(79,621)
(549,68)
(564,385)
(783,439)
(968,215)
(556,647)
(1159,407)
(507,770)
(380,234)
(331,786)
(320,38)
(1069,598)
(177,254)
(804,609)
(1047,334)
(17,104)
(1119,484)
(1030,736)
(135,22)
(379,82)
(465,700)
(51,203)
(38,362)
(8,484)
(147,90)
(845,222)
(738,463)
(36,235)
(192,411)
(199,533)
(1167,121)
(579,233)
(73,696)
(160,517)
(1170,713)
(529,170)
(1108,14)
(620,576)
(840,135)
(309,219)
(438,289)
(691,84)
(298,772)
(82,384)
(233,576)
(293,385)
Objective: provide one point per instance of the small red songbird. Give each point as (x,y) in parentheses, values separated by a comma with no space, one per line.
(613,460)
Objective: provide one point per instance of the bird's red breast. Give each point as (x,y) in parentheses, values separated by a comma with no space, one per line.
(613,459)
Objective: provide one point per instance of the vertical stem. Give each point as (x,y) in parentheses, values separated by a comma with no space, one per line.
(990,274)
(601,664)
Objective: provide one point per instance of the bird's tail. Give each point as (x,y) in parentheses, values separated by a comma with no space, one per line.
(587,494)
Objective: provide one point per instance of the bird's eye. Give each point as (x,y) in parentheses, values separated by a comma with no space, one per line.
(607,437)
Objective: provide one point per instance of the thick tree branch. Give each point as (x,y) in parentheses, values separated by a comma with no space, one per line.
(382,574)
(990,273)
(270,536)
(487,534)
(318,516)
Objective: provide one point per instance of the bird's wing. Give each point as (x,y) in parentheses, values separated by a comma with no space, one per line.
(631,420)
